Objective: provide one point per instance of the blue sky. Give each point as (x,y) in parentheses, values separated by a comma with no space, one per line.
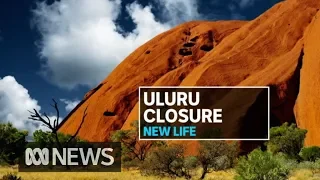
(61,49)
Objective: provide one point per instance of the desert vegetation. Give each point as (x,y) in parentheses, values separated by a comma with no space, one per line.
(285,157)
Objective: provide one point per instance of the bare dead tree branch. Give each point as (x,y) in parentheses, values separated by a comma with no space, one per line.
(55,106)
(47,122)
(37,117)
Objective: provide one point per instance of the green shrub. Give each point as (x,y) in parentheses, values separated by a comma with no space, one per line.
(168,161)
(131,146)
(310,153)
(216,155)
(190,162)
(286,162)
(286,139)
(259,165)
(10,176)
(47,138)
(12,141)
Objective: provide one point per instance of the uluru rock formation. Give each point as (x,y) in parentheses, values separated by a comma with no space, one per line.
(280,49)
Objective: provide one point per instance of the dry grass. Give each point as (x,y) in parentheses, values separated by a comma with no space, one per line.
(124,175)
(304,174)
(301,174)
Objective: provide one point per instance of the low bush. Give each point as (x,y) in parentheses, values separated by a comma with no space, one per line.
(190,162)
(285,161)
(310,153)
(12,141)
(217,155)
(287,139)
(131,146)
(259,165)
(168,161)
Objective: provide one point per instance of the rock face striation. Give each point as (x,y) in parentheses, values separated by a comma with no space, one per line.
(280,49)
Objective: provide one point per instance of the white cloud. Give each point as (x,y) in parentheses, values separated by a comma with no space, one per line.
(179,11)
(14,103)
(80,42)
(70,105)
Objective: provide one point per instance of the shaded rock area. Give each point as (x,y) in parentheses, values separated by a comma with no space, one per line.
(185,52)
(107,113)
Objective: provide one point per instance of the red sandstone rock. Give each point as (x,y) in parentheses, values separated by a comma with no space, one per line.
(279,49)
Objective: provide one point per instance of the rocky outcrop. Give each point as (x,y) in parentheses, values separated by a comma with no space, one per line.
(164,54)
(273,50)
(307,107)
